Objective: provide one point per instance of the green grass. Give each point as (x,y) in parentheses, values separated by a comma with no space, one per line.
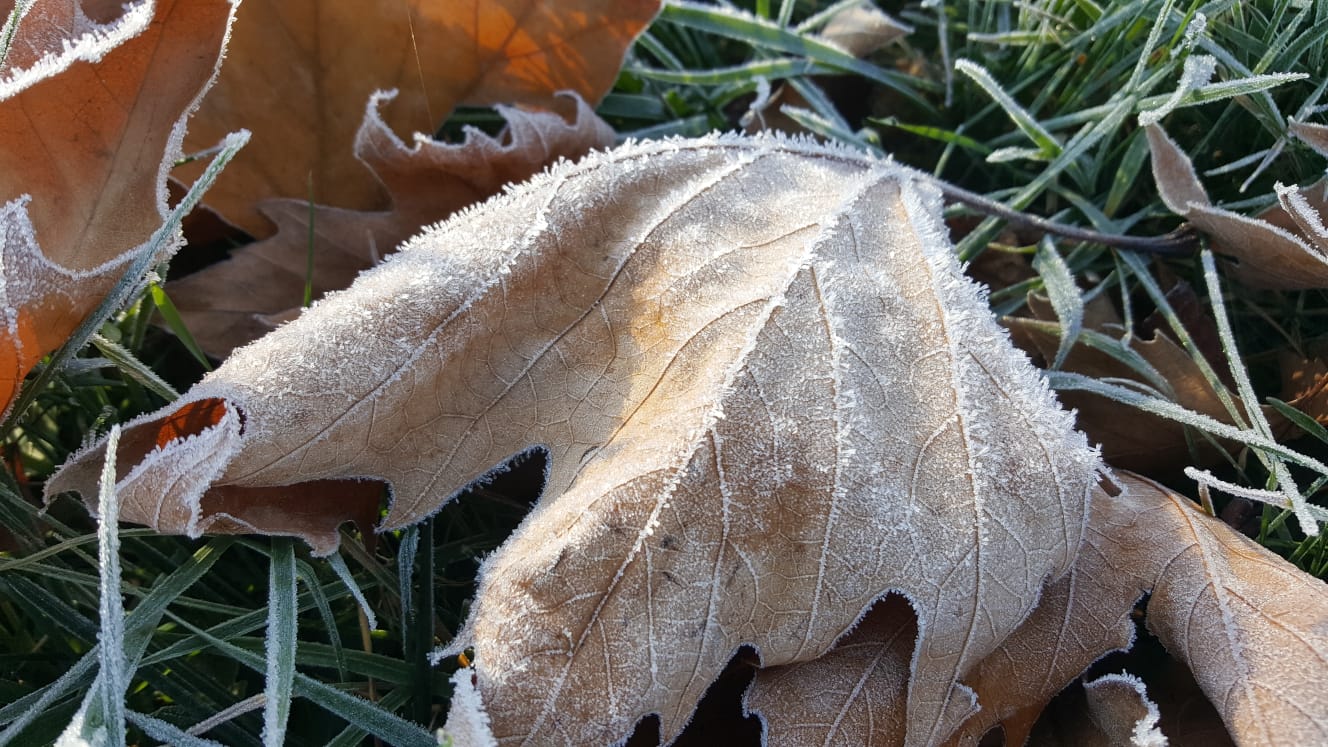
(1036,106)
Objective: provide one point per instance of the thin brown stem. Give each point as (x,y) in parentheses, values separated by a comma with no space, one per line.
(1182,242)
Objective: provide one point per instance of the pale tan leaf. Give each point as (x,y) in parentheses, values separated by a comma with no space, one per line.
(1251,627)
(1313,135)
(1271,251)
(298,74)
(855,694)
(87,134)
(1080,618)
(245,297)
(767,394)
(863,29)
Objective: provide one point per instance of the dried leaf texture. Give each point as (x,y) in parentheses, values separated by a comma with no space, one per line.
(1283,248)
(854,694)
(1251,627)
(87,133)
(768,397)
(234,302)
(298,74)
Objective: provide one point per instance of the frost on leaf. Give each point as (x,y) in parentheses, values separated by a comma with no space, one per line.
(1283,248)
(1251,627)
(114,98)
(236,301)
(298,74)
(768,397)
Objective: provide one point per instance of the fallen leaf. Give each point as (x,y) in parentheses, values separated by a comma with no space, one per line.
(1251,627)
(862,29)
(855,694)
(1080,618)
(767,394)
(1313,135)
(238,300)
(115,100)
(858,29)
(1111,711)
(1283,248)
(1304,387)
(1118,705)
(298,74)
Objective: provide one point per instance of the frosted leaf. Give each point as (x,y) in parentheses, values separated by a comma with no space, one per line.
(767,395)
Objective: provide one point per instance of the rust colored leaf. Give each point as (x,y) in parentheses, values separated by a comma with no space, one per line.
(236,301)
(87,134)
(298,74)
(1282,248)
(768,397)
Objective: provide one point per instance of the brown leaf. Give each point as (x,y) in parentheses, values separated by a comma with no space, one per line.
(1111,711)
(768,396)
(1118,705)
(858,29)
(1282,248)
(1080,618)
(862,29)
(1251,627)
(86,139)
(298,74)
(245,297)
(1304,387)
(855,694)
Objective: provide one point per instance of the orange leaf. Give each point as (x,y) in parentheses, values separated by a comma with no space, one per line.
(236,301)
(298,75)
(87,134)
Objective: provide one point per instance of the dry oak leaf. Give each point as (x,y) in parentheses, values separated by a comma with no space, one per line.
(1283,248)
(1111,711)
(87,134)
(767,395)
(1251,627)
(236,301)
(298,73)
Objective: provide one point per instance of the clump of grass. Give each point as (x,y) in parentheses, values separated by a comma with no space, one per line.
(1035,105)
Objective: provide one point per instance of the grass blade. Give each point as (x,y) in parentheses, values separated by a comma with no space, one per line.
(282,627)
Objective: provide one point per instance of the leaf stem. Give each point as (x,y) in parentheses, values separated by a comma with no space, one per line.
(1182,242)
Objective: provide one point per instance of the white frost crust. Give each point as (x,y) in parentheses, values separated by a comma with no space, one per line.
(91,46)
(467,722)
(1145,731)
